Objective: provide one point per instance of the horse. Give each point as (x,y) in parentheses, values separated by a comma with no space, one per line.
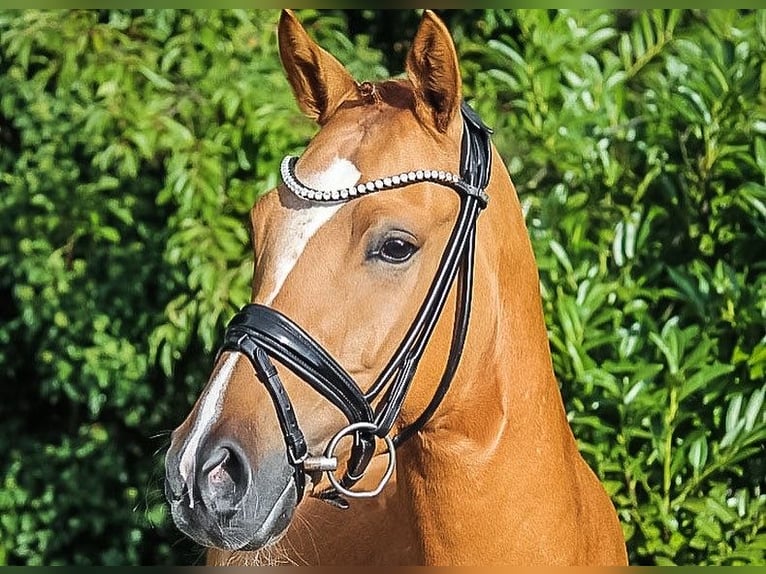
(388,395)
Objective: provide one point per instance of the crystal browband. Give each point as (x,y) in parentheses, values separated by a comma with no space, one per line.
(287,170)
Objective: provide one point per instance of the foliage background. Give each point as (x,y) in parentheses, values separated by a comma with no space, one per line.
(133,143)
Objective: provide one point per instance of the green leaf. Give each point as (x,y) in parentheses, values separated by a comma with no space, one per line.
(754,411)
(733,423)
(626,51)
(702,378)
(722,512)
(562,257)
(156,79)
(754,195)
(760,152)
(732,413)
(669,343)
(688,290)
(698,451)
(617,248)
(708,527)
(672,21)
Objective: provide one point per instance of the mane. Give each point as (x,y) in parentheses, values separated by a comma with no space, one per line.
(396,93)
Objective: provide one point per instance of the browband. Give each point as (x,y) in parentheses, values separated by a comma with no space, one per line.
(287,170)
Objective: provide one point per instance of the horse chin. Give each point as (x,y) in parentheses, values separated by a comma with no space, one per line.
(254,524)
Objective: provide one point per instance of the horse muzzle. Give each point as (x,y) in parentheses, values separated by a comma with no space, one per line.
(224,499)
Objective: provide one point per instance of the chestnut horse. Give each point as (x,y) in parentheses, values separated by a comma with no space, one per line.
(368,258)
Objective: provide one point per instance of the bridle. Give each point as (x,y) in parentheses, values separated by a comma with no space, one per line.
(261,333)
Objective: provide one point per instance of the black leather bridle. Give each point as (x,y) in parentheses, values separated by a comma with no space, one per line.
(261,333)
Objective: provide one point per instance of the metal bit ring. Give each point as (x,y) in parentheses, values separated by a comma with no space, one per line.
(330,450)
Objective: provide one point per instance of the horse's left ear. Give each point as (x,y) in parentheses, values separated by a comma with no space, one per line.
(432,67)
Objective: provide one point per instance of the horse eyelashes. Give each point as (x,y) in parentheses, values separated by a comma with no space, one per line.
(397,251)
(394,248)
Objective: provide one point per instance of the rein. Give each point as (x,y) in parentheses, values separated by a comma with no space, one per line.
(261,333)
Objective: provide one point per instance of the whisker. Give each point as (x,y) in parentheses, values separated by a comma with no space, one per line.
(161,434)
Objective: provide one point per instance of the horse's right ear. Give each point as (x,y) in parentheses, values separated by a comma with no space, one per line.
(433,69)
(320,83)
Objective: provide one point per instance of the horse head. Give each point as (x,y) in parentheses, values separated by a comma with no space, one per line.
(391,313)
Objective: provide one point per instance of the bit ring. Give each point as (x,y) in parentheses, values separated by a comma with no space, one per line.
(330,450)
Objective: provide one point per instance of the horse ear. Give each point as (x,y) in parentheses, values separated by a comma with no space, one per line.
(320,83)
(432,67)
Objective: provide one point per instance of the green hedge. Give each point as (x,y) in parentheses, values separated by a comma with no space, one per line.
(638,144)
(133,143)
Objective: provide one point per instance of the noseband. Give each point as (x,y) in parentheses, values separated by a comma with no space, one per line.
(262,333)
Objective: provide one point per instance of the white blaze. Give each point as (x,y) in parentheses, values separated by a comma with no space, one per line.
(291,239)
(302,224)
(208,413)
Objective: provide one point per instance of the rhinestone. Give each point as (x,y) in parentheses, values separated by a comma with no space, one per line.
(370,185)
(448,176)
(358,189)
(396,179)
(387,181)
(427,174)
(352,191)
(335,194)
(442,175)
(379,183)
(326,195)
(307,195)
(411,176)
(344,193)
(419,174)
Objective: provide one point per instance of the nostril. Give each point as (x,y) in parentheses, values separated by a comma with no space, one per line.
(224,479)
(221,473)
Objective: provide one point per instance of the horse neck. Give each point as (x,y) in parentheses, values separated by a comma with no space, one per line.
(503,425)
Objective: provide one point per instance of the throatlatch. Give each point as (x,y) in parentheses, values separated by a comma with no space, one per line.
(262,333)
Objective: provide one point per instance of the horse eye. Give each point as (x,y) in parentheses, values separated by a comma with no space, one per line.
(396,250)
